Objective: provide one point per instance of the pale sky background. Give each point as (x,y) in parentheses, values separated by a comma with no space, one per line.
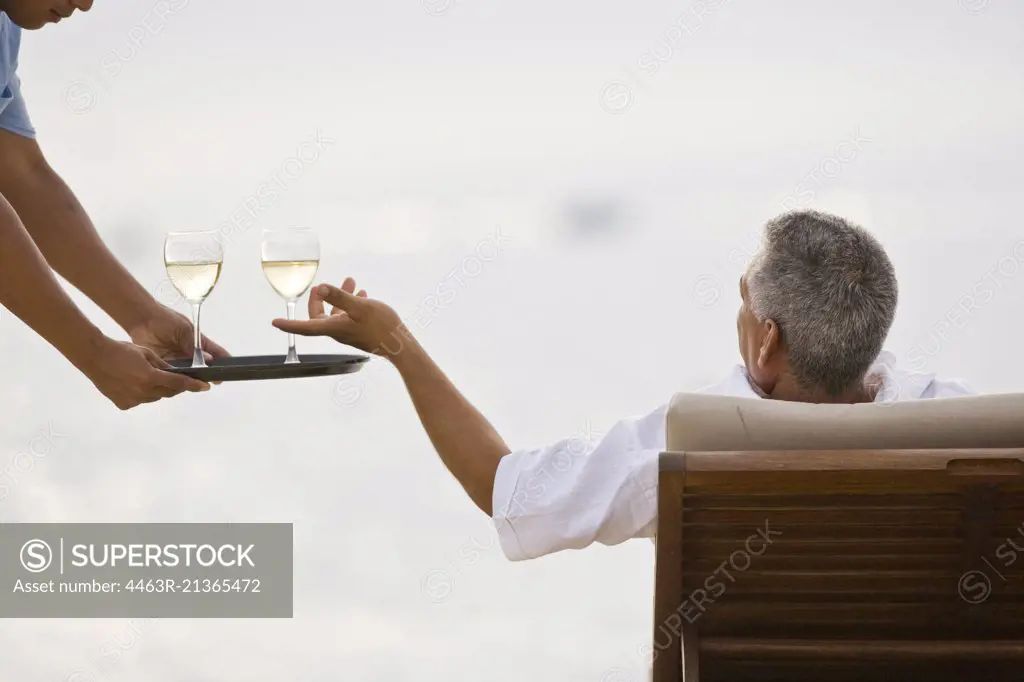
(450,120)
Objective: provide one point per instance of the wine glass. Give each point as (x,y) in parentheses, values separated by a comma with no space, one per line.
(193,261)
(290,261)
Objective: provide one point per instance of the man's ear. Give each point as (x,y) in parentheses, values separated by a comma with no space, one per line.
(771,343)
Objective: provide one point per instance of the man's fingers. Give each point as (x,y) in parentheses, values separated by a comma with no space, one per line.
(316,304)
(349,285)
(362,293)
(324,326)
(339,298)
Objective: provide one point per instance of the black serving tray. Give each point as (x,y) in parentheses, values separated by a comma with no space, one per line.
(257,367)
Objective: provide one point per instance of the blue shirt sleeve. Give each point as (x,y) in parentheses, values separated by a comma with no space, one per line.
(14,115)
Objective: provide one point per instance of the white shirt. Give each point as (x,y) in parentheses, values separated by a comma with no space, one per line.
(573,493)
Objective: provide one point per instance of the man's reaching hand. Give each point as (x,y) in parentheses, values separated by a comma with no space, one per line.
(353,319)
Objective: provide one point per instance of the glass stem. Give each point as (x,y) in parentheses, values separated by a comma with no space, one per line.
(197,339)
(292,355)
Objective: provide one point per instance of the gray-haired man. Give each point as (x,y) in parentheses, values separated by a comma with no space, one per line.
(817,304)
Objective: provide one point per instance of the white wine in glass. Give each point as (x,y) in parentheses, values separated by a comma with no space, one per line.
(290,278)
(290,261)
(194,281)
(193,261)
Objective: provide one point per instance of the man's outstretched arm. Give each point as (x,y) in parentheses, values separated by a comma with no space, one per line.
(465,441)
(566,495)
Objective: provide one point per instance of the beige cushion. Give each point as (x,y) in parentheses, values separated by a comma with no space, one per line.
(701,422)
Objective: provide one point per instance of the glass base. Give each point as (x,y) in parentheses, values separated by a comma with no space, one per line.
(198,360)
(292,357)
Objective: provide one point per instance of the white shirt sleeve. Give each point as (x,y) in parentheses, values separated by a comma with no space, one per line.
(576,492)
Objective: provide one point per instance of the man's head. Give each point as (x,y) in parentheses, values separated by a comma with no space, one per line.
(33,14)
(818,301)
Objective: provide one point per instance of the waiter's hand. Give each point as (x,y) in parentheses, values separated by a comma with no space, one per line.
(168,333)
(354,319)
(129,375)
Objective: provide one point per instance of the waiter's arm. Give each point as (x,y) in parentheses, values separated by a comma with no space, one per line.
(65,235)
(30,291)
(126,374)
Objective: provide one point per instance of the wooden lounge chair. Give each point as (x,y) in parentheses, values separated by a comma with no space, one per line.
(856,542)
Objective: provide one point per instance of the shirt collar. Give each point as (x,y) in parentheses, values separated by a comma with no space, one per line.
(896,384)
